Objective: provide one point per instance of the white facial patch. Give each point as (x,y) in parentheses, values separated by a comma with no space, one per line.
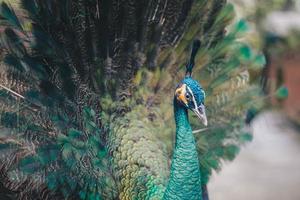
(203,93)
(193,97)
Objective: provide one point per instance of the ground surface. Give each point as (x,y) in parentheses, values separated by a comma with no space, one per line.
(266,169)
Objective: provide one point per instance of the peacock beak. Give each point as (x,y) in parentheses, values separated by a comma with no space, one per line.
(200,112)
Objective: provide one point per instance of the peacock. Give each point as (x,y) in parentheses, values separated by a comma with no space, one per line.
(88,87)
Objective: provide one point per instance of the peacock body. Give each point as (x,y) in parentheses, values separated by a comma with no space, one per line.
(86,99)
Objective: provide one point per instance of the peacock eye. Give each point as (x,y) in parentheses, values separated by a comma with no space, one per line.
(187,96)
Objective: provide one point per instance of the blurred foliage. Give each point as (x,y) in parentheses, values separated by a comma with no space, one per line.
(293,40)
(263,8)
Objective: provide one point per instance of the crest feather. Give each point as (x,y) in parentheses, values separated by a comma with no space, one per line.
(191,63)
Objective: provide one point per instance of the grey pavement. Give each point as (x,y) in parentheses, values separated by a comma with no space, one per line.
(266,169)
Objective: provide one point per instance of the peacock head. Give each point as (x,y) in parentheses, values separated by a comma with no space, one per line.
(189,93)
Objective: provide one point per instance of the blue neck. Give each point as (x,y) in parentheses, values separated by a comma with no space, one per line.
(185,177)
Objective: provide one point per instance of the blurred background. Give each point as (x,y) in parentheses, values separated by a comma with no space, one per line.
(269,167)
